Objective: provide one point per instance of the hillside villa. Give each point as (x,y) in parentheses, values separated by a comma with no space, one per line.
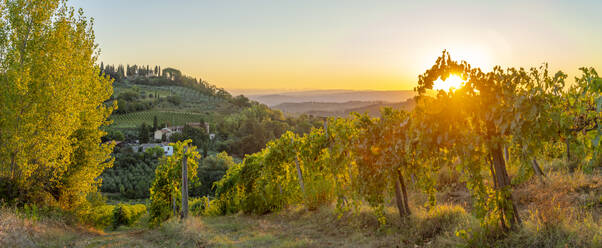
(168,131)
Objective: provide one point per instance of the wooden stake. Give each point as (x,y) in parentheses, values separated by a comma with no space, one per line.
(184,184)
(299,173)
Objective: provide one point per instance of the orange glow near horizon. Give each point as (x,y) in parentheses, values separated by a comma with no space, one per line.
(452,82)
(352,45)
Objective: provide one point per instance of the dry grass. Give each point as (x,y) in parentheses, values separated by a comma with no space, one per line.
(562,211)
(562,195)
(22,232)
(298,227)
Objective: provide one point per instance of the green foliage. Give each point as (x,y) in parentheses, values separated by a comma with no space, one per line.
(439,219)
(133,120)
(211,170)
(383,153)
(132,173)
(227,192)
(270,180)
(144,133)
(165,190)
(250,130)
(99,216)
(472,125)
(127,214)
(198,206)
(51,103)
(175,100)
(9,191)
(115,135)
(241,126)
(199,137)
(464,130)
(580,114)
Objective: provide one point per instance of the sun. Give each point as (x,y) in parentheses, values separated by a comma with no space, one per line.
(452,82)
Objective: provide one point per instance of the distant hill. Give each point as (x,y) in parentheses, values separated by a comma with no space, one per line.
(374,109)
(305,107)
(332,96)
(328,109)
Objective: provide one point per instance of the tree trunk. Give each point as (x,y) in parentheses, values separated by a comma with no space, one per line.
(185,185)
(399,199)
(503,182)
(405,192)
(568,150)
(299,172)
(536,168)
(173,205)
(495,185)
(300,175)
(12,165)
(506,154)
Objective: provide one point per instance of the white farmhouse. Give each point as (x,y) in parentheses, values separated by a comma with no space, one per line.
(164,131)
(168,150)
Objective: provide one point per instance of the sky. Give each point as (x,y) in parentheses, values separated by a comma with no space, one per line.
(358,45)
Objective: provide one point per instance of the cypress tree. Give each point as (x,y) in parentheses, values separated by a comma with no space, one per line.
(155,123)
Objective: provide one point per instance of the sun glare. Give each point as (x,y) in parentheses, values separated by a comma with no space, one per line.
(452,82)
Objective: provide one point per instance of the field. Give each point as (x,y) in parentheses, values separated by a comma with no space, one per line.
(133,120)
(187,94)
(194,106)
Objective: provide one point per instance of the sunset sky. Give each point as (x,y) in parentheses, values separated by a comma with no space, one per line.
(378,45)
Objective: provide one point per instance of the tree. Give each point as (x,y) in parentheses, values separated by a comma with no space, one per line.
(120,72)
(144,133)
(474,123)
(114,135)
(241,101)
(132,171)
(580,111)
(51,103)
(211,170)
(155,123)
(382,154)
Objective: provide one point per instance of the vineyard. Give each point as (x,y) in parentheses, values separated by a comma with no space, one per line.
(189,95)
(133,120)
(192,105)
(494,133)
(480,156)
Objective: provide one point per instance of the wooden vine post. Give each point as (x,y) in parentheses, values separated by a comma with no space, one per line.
(184,213)
(299,172)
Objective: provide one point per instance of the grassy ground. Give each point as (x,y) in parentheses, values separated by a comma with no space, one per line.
(292,228)
(563,210)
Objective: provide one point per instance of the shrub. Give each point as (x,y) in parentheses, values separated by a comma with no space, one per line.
(9,191)
(127,214)
(441,219)
(31,211)
(319,192)
(199,205)
(99,216)
(175,100)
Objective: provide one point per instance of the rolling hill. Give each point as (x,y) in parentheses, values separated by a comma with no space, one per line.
(331,96)
(328,109)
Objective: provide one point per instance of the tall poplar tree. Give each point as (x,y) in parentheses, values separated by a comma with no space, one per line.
(51,103)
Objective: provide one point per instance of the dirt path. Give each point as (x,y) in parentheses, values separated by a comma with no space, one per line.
(116,239)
